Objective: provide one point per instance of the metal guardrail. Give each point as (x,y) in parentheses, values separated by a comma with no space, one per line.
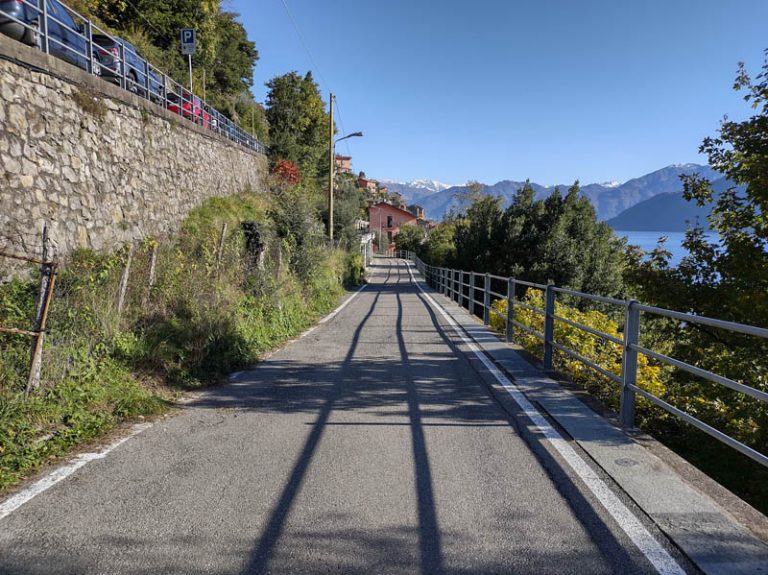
(451,284)
(59,30)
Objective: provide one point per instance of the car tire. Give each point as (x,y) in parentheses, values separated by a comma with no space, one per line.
(132,84)
(31,35)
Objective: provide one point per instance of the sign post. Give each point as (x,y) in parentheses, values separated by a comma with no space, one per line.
(188,48)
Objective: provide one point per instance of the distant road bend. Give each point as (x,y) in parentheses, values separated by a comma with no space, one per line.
(374,444)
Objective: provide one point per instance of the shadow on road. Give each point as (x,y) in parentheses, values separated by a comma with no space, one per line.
(384,387)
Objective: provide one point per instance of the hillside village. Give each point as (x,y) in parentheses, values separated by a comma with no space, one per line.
(386,211)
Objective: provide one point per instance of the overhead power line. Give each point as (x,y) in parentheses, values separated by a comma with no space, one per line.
(305,46)
(132,5)
(313,62)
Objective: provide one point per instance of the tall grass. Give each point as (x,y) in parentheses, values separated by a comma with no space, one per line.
(200,320)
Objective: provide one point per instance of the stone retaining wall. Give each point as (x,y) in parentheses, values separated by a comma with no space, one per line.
(101,166)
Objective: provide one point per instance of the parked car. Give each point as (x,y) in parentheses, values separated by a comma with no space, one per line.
(65,39)
(213,124)
(191,107)
(107,51)
(13,17)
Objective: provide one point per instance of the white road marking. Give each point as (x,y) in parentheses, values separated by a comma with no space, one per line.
(629,523)
(13,503)
(334,313)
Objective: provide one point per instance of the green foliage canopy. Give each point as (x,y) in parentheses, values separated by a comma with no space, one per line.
(558,239)
(298,124)
(409,238)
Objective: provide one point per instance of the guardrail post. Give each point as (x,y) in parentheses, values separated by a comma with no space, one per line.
(88,33)
(549,325)
(629,364)
(42,8)
(487,299)
(148,90)
(510,308)
(445,282)
(123,71)
(471,306)
(456,285)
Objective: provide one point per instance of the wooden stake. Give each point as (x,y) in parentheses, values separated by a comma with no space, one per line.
(152,273)
(124,282)
(220,251)
(41,309)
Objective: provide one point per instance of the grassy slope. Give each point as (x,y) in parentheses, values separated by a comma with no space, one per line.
(199,322)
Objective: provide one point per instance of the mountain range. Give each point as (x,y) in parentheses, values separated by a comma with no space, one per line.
(669,212)
(610,199)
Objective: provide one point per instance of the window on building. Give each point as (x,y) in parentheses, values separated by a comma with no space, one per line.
(389,221)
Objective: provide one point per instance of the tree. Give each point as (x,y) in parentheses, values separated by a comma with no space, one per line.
(298,124)
(726,278)
(475,230)
(287,172)
(348,209)
(440,247)
(558,239)
(409,238)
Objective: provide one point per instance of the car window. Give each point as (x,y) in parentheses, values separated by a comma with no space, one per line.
(53,10)
(62,15)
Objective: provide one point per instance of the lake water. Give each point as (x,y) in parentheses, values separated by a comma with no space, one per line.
(647,241)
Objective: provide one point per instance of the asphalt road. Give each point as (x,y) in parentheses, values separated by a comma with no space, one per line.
(371,445)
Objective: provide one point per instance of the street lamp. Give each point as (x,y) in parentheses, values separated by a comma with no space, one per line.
(332,146)
(352,135)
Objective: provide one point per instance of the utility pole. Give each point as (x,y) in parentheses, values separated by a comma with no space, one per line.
(330,175)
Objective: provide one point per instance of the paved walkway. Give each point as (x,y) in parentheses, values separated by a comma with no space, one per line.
(371,445)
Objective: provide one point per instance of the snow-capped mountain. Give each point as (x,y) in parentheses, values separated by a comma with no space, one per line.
(609,198)
(415,191)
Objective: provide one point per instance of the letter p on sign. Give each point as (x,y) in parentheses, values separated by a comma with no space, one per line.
(188,41)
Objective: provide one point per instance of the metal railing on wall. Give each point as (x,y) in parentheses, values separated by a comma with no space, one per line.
(475,292)
(59,30)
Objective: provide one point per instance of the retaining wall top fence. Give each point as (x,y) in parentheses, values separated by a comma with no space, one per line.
(77,40)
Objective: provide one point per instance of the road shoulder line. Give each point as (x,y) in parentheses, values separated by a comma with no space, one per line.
(653,551)
(705,532)
(59,474)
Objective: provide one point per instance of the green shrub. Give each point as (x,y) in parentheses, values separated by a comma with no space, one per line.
(606,354)
(200,320)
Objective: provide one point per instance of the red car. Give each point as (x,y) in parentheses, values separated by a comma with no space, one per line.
(191,108)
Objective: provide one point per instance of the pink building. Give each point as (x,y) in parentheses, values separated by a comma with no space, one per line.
(386,221)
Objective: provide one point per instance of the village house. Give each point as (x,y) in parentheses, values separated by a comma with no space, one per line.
(344,164)
(369,185)
(386,221)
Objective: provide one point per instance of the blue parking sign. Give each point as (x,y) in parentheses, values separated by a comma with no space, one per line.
(188,41)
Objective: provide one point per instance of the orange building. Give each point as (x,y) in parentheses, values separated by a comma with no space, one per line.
(366,184)
(386,221)
(344,164)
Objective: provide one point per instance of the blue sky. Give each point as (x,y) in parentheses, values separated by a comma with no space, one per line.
(551,90)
